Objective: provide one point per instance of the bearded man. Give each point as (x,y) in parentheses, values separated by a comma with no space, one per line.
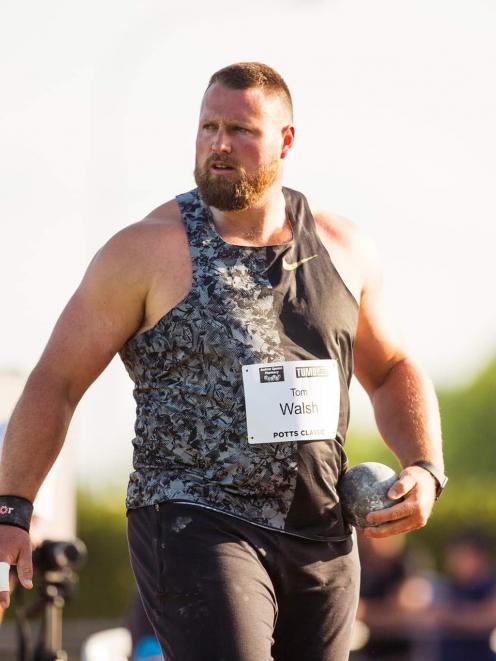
(240,314)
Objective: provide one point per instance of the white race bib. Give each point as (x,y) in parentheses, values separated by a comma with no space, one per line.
(295,400)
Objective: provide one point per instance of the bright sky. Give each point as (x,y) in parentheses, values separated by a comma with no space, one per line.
(395,105)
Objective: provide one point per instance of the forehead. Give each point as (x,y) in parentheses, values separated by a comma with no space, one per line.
(249,104)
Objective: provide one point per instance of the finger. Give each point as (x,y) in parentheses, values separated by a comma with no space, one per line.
(4,584)
(400,511)
(404,517)
(390,528)
(402,486)
(25,566)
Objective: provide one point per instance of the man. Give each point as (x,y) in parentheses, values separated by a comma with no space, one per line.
(464,612)
(235,310)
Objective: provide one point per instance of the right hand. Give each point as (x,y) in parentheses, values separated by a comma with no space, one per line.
(15,548)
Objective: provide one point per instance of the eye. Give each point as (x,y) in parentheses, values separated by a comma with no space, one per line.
(209,126)
(241,129)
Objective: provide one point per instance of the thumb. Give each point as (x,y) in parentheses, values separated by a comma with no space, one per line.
(25,566)
(402,486)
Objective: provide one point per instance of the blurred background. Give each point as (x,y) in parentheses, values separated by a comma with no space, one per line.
(394,113)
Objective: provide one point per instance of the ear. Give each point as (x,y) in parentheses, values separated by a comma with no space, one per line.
(288,134)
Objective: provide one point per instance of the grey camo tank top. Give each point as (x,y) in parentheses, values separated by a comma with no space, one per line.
(243,308)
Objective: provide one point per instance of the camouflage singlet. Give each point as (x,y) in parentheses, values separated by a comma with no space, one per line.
(243,308)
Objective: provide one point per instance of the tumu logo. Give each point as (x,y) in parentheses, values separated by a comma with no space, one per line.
(306,372)
(271,374)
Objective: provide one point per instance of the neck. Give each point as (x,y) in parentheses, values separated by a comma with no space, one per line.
(260,225)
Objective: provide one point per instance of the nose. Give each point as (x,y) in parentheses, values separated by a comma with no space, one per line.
(220,142)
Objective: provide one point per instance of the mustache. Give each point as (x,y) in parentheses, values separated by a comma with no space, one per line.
(221,158)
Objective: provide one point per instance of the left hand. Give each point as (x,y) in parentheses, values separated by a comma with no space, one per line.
(419,490)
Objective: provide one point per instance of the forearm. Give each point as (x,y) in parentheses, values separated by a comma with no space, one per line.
(35,434)
(470,618)
(407,415)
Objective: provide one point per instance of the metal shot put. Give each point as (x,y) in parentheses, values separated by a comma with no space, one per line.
(364,489)
(241,312)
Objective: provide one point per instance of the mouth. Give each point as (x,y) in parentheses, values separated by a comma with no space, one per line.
(220,167)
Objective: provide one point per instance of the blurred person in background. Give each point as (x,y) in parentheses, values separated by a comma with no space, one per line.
(464,611)
(384,573)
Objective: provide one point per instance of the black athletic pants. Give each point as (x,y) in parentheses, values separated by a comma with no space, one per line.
(216,588)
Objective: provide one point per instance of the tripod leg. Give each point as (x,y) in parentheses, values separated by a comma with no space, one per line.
(49,649)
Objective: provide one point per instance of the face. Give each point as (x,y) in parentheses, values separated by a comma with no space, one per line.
(243,135)
(466,563)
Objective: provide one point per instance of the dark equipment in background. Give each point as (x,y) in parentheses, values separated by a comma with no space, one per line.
(54,564)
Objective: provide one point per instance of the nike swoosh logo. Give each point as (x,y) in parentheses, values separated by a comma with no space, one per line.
(294,265)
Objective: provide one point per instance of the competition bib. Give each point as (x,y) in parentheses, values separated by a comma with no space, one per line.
(295,400)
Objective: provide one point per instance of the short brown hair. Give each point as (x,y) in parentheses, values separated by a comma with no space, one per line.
(243,75)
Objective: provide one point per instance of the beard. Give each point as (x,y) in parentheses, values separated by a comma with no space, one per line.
(228,194)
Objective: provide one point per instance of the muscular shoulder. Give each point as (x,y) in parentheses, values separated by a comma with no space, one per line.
(138,249)
(121,283)
(141,240)
(350,249)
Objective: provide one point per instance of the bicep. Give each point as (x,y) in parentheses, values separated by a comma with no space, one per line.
(378,344)
(101,316)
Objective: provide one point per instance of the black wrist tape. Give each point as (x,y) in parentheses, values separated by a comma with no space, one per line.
(16,511)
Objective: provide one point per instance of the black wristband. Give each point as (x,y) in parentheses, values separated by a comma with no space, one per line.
(16,511)
(436,473)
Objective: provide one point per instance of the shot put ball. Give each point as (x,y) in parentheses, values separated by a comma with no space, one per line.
(363,489)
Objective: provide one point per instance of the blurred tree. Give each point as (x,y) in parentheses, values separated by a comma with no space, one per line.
(469,425)
(106,583)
